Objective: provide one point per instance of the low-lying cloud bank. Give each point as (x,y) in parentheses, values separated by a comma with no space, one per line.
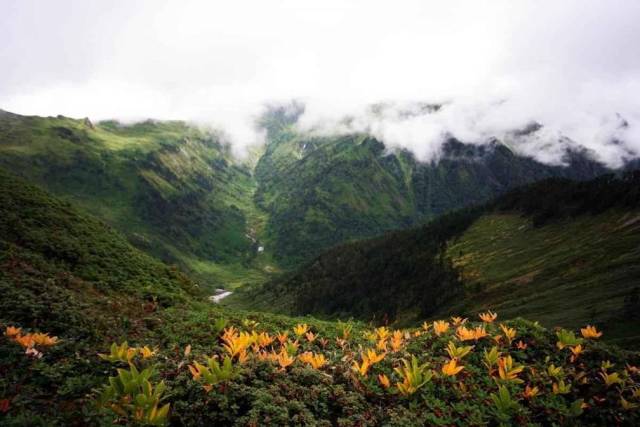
(493,67)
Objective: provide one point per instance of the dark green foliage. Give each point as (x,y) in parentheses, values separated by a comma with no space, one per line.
(554,199)
(380,278)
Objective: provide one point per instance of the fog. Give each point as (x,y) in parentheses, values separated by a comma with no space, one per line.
(494,67)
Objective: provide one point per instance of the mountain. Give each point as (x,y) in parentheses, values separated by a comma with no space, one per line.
(173,189)
(67,272)
(560,251)
(176,191)
(321,191)
(95,332)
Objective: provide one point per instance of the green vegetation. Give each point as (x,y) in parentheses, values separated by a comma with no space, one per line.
(562,252)
(172,189)
(324,191)
(96,332)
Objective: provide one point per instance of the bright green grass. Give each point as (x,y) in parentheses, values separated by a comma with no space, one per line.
(566,273)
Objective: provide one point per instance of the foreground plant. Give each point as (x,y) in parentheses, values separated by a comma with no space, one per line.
(130,394)
(414,375)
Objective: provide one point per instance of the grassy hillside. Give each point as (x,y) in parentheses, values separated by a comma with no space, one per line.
(564,252)
(73,290)
(323,191)
(173,189)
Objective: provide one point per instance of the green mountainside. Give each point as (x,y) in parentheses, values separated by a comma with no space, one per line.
(322,191)
(95,332)
(171,188)
(561,252)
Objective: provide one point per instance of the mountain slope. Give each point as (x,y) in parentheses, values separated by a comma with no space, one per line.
(322,191)
(66,271)
(173,189)
(562,252)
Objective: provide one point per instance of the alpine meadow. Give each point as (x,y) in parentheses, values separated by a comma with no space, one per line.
(304,213)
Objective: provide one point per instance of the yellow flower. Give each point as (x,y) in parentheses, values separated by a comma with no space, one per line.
(440,327)
(361,368)
(301,329)
(590,332)
(396,341)
(264,339)
(147,352)
(382,332)
(457,321)
(372,357)
(284,359)
(451,368)
(384,380)
(509,333)
(508,371)
(488,317)
(465,334)
(315,360)
(576,352)
(426,326)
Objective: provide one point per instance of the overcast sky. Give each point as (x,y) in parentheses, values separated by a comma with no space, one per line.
(572,65)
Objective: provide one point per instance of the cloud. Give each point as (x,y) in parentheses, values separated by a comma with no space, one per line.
(495,66)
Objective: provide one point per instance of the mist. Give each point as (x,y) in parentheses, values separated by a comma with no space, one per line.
(492,67)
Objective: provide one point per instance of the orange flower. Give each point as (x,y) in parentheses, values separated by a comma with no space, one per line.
(311,337)
(12,331)
(521,345)
(576,351)
(396,341)
(451,368)
(384,380)
(440,327)
(282,337)
(284,359)
(457,321)
(488,317)
(530,392)
(590,332)
(465,334)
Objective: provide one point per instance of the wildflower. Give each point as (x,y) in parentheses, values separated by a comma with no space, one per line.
(465,334)
(372,356)
(555,371)
(235,343)
(457,352)
(381,345)
(315,360)
(508,371)
(311,337)
(284,359)
(611,379)
(25,341)
(361,368)
(457,321)
(323,342)
(426,326)
(520,345)
(384,380)
(488,317)
(301,329)
(509,333)
(282,337)
(147,352)
(396,341)
(12,331)
(560,387)
(451,368)
(414,376)
(576,352)
(382,332)
(530,392)
(187,350)
(590,332)
(440,327)
(264,339)
(417,333)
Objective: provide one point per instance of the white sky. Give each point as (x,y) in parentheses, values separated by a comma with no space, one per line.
(572,65)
